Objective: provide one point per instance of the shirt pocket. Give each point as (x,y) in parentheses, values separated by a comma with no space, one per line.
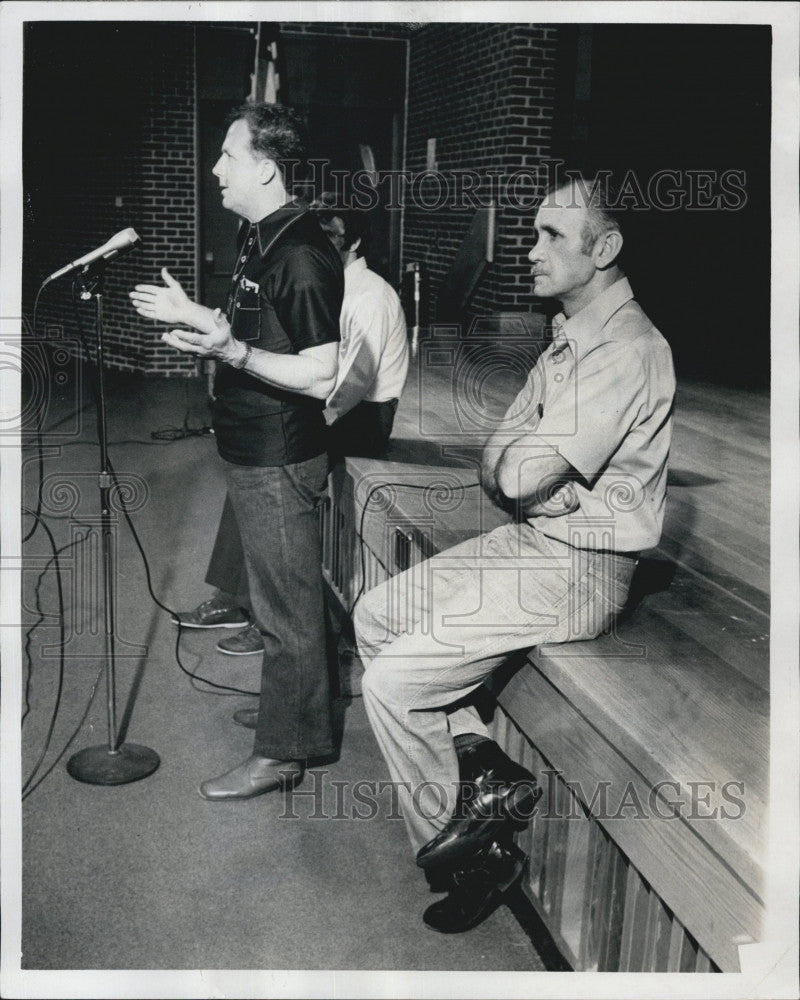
(246,319)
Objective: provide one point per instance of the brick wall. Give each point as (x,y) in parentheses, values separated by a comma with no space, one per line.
(118,103)
(485,92)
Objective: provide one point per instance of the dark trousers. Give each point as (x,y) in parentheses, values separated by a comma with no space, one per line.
(365,430)
(276,511)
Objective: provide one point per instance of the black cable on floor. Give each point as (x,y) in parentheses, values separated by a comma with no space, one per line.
(225,688)
(61,633)
(53,560)
(40,448)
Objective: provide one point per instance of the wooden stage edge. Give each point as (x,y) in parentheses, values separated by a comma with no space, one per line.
(647,848)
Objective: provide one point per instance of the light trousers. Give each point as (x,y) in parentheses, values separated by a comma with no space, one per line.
(431,635)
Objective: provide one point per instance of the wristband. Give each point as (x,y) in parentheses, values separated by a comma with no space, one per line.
(248,350)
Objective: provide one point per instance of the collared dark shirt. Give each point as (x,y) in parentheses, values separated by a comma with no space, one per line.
(285,296)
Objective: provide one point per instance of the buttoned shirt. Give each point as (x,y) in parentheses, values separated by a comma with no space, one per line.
(602,396)
(373,354)
(285,296)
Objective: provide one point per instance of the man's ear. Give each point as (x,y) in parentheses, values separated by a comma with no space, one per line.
(268,169)
(607,248)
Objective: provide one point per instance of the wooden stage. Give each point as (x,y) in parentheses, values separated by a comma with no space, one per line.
(647,850)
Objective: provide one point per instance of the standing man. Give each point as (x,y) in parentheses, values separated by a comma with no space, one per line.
(373,354)
(373,365)
(581,460)
(277,349)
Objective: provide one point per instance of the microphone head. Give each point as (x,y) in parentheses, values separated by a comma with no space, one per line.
(125,238)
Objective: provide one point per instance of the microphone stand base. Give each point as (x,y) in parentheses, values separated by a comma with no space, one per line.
(101,766)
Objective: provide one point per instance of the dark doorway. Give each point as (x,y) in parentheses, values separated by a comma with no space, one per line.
(352,92)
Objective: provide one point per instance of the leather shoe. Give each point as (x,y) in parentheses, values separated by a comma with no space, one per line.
(243,643)
(477,891)
(500,795)
(214,613)
(247,717)
(254,777)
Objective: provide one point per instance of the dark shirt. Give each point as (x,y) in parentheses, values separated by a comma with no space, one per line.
(285,296)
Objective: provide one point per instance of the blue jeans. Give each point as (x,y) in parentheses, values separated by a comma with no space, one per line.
(277,513)
(430,636)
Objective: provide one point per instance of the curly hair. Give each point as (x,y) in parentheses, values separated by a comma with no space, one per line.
(276,132)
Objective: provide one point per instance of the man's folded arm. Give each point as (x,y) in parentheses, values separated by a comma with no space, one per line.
(529,476)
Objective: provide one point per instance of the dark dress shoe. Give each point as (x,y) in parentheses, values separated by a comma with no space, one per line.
(500,795)
(254,777)
(477,891)
(247,717)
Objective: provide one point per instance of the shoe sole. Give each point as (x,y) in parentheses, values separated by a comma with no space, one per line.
(231,652)
(282,785)
(216,625)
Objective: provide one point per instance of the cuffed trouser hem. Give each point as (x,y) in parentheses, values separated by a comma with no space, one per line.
(280,753)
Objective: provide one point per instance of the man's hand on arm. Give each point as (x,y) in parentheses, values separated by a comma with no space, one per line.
(528,477)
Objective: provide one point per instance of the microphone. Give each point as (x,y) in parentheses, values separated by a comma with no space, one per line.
(122,243)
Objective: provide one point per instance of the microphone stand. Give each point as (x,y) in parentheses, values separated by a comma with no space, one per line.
(115,763)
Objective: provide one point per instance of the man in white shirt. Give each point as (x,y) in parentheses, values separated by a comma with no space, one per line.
(373,365)
(373,352)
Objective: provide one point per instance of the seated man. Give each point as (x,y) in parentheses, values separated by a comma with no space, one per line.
(581,460)
(373,365)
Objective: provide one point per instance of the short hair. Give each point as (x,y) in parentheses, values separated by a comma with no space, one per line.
(276,131)
(356,226)
(602,202)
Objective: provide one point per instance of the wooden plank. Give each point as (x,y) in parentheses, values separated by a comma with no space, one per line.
(574,915)
(632,947)
(727,910)
(676,939)
(678,724)
(594,893)
(609,959)
(734,533)
(735,633)
(703,962)
(658,935)
(748,411)
(691,560)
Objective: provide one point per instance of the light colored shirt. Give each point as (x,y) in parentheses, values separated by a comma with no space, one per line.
(602,396)
(373,353)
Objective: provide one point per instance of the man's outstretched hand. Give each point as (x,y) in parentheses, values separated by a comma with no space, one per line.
(218,343)
(165,304)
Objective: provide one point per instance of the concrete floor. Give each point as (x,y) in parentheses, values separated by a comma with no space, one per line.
(149,875)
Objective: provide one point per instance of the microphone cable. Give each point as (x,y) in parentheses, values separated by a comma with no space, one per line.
(222,688)
(29,786)
(39,445)
(362,545)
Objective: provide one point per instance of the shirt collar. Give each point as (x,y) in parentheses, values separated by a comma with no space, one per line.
(586,325)
(270,227)
(359,264)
